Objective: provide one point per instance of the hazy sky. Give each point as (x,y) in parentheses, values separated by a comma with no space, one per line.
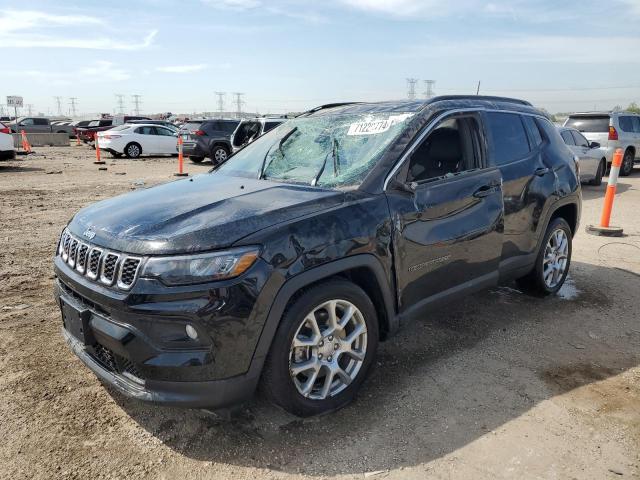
(292,55)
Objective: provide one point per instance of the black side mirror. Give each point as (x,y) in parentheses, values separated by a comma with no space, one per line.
(594,145)
(396,184)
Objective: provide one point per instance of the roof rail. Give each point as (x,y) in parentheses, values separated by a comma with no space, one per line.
(481,97)
(328,105)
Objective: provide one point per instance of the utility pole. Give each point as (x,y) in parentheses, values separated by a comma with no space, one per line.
(29,109)
(59,104)
(411,88)
(72,102)
(428,85)
(478,89)
(220,102)
(239,102)
(120,98)
(136,102)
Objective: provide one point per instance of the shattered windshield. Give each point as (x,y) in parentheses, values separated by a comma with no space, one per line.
(330,150)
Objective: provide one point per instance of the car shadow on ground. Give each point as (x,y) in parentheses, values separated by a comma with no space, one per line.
(18,169)
(442,382)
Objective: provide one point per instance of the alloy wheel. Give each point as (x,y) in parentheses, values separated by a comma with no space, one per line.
(220,155)
(328,349)
(556,257)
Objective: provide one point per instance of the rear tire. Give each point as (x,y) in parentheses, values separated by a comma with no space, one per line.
(133,150)
(196,159)
(597,181)
(219,154)
(552,263)
(338,353)
(627,164)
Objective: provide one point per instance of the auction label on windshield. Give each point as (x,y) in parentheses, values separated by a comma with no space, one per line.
(369,128)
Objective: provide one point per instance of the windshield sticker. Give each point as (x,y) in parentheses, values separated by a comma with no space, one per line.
(369,128)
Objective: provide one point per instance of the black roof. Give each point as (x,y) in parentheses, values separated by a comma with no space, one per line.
(449,101)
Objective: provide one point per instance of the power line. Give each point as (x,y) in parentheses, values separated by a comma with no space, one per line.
(411,88)
(239,103)
(59,104)
(72,102)
(220,101)
(136,103)
(120,102)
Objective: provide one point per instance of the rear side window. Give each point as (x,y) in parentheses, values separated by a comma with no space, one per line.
(269,125)
(626,124)
(567,137)
(533,130)
(509,137)
(40,121)
(192,126)
(229,127)
(106,123)
(589,124)
(636,124)
(580,140)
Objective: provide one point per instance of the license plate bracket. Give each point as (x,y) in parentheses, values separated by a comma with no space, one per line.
(76,322)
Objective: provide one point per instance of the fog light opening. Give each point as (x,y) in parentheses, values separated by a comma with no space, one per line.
(191,332)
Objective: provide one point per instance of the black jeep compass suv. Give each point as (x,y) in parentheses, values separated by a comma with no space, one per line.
(287,264)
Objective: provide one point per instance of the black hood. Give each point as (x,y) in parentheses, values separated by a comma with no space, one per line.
(203,213)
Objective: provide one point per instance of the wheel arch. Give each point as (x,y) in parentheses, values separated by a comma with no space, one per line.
(364,270)
(569,212)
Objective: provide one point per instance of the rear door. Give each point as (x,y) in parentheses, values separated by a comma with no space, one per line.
(147,138)
(526,182)
(589,160)
(448,218)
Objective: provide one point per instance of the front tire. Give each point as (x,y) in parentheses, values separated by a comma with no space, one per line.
(627,164)
(323,349)
(552,263)
(133,150)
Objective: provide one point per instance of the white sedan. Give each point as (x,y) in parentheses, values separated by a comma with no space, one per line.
(591,158)
(7,152)
(134,140)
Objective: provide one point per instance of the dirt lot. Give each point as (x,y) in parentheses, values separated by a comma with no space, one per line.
(500,385)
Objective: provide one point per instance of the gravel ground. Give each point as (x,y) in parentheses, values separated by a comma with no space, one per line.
(499,385)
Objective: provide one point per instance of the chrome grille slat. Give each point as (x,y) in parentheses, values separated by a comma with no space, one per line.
(98,264)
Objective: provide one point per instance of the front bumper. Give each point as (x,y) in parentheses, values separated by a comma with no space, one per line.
(135,340)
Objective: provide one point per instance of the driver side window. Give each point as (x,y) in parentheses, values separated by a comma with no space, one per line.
(452,147)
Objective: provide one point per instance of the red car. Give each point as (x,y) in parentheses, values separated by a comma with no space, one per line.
(87,134)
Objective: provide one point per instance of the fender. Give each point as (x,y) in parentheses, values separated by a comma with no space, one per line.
(308,277)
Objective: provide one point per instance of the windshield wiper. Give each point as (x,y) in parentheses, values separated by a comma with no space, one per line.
(334,156)
(282,140)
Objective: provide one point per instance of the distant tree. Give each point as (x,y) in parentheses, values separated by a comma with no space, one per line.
(633,107)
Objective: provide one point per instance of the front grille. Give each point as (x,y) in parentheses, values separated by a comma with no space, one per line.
(109,265)
(110,268)
(81,258)
(105,357)
(128,272)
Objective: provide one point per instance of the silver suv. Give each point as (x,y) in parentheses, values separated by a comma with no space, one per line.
(611,130)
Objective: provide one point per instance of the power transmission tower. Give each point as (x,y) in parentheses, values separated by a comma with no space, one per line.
(239,103)
(428,85)
(220,101)
(29,109)
(59,104)
(411,88)
(136,103)
(120,98)
(72,102)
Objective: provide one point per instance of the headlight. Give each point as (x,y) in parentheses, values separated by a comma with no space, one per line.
(200,268)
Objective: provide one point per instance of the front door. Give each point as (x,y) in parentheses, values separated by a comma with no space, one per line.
(448,218)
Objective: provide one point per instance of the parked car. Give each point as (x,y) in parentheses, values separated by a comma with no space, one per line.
(38,125)
(122,119)
(135,140)
(163,123)
(611,130)
(7,150)
(87,134)
(250,129)
(592,158)
(208,138)
(287,264)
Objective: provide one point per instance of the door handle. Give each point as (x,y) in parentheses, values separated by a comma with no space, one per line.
(484,191)
(542,171)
